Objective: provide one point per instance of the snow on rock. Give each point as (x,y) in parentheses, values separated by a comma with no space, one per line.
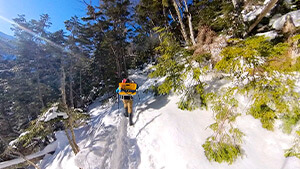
(270,35)
(13,142)
(278,22)
(53,113)
(252,11)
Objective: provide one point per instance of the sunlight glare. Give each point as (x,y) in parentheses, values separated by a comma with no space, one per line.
(32,33)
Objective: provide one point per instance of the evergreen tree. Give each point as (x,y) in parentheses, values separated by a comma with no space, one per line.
(109,26)
(28,87)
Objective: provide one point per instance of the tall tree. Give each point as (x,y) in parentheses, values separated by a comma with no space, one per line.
(109,23)
(29,85)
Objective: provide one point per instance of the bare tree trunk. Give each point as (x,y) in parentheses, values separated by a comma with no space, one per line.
(167,24)
(72,132)
(39,90)
(117,61)
(69,124)
(63,86)
(172,16)
(189,16)
(70,140)
(125,67)
(263,14)
(25,158)
(80,87)
(6,117)
(180,22)
(235,3)
(71,86)
(10,150)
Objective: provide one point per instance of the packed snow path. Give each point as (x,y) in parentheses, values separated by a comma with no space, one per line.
(163,137)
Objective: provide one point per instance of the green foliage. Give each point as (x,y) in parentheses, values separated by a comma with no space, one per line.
(295,149)
(193,97)
(219,15)
(168,64)
(248,53)
(202,58)
(178,65)
(153,89)
(266,115)
(290,120)
(265,72)
(36,129)
(41,129)
(221,152)
(251,63)
(224,145)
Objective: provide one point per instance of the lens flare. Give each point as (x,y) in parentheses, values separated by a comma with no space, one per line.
(32,33)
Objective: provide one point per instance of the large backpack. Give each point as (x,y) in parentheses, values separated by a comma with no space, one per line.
(127,89)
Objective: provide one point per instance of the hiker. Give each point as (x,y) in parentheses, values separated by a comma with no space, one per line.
(127,88)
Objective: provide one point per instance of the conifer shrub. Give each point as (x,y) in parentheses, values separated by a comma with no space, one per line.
(154,89)
(263,71)
(250,63)
(180,68)
(295,149)
(225,144)
(221,16)
(259,69)
(40,129)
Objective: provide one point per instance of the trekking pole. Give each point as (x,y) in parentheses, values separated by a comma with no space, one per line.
(118,103)
(139,97)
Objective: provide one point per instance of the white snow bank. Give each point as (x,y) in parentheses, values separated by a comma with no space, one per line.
(278,22)
(63,156)
(53,113)
(270,35)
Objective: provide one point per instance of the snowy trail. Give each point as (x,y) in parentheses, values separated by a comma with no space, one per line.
(110,147)
(163,137)
(104,143)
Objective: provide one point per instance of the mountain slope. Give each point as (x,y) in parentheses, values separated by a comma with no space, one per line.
(164,137)
(6,45)
(5,36)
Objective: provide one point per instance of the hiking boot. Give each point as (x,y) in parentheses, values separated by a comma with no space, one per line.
(130,119)
(126,112)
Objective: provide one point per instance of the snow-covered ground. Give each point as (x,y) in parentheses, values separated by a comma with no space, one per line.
(163,137)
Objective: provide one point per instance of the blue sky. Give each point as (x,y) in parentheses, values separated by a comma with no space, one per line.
(58,10)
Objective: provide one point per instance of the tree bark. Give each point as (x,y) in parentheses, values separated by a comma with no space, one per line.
(235,3)
(70,120)
(71,86)
(189,16)
(10,150)
(25,158)
(183,31)
(117,61)
(80,87)
(70,140)
(69,126)
(63,86)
